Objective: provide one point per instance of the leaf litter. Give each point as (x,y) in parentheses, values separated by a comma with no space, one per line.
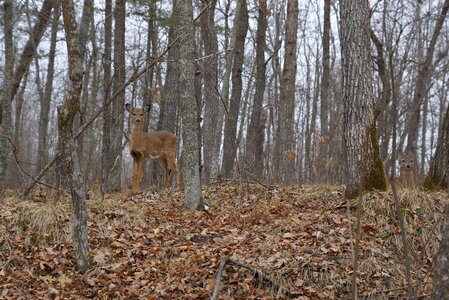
(148,246)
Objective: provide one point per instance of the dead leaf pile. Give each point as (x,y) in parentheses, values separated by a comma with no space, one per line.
(148,246)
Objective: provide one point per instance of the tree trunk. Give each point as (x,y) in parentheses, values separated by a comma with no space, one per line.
(254,142)
(191,173)
(66,114)
(118,114)
(360,146)
(106,162)
(171,89)
(324,93)
(437,178)
(284,135)
(42,152)
(230,146)
(210,79)
(5,111)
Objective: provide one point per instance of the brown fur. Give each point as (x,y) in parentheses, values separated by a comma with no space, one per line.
(144,146)
(407,169)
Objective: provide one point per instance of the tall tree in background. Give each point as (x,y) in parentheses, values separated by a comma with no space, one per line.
(42,152)
(284,161)
(324,97)
(106,162)
(210,79)
(118,111)
(12,81)
(230,131)
(71,165)
(5,101)
(171,90)
(190,153)
(255,136)
(422,81)
(438,176)
(360,145)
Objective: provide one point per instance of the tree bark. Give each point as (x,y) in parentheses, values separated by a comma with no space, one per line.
(360,146)
(324,93)
(210,80)
(285,171)
(106,162)
(191,172)
(255,137)
(229,145)
(5,101)
(118,114)
(66,113)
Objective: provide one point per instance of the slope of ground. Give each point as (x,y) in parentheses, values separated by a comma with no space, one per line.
(148,246)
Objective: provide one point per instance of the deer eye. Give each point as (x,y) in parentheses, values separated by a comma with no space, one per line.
(411,160)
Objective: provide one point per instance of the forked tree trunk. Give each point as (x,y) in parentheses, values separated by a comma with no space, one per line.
(13,77)
(66,113)
(190,154)
(285,133)
(230,131)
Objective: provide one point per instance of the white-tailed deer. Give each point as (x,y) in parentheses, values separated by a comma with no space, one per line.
(144,146)
(407,169)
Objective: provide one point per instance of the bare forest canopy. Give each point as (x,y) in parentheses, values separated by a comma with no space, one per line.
(267,112)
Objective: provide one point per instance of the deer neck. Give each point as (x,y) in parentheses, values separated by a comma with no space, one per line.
(136,137)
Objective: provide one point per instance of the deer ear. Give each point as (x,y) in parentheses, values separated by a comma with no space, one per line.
(146,108)
(128,107)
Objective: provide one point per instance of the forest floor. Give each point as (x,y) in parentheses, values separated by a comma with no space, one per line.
(291,242)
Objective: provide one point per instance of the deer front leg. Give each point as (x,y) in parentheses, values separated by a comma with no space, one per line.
(166,173)
(136,179)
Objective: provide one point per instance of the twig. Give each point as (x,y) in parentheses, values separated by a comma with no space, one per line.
(262,276)
(16,160)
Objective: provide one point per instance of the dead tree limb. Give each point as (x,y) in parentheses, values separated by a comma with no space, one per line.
(257,274)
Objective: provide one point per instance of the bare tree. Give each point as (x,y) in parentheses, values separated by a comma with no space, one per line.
(66,113)
(190,153)
(210,79)
(284,160)
(255,136)
(118,114)
(229,145)
(106,162)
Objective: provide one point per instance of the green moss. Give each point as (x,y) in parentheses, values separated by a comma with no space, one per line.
(375,177)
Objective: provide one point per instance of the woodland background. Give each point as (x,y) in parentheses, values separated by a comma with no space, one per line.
(267,94)
(239,102)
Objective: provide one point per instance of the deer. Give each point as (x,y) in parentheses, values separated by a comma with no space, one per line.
(407,169)
(145,146)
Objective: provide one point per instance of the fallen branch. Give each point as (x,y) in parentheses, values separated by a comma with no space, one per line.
(257,273)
